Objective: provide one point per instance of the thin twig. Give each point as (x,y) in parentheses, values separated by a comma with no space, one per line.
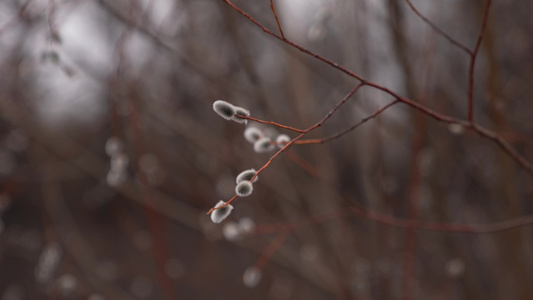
(305,165)
(504,145)
(444,227)
(273,123)
(339,134)
(438,30)
(402,223)
(336,107)
(413,189)
(472,64)
(292,226)
(277,20)
(271,249)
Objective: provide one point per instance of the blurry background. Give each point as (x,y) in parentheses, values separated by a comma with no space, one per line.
(111,154)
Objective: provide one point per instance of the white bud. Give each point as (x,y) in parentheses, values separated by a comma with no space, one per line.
(251,277)
(456,129)
(246,225)
(253,134)
(263,145)
(48,262)
(247,176)
(282,140)
(244,188)
(119,161)
(230,231)
(224,109)
(113,146)
(67,283)
(455,267)
(116,177)
(218,215)
(239,111)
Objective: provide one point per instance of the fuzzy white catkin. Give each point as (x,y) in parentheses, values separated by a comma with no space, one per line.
(251,277)
(119,161)
(244,188)
(218,215)
(230,231)
(116,177)
(113,146)
(247,175)
(282,140)
(253,134)
(456,129)
(239,111)
(48,262)
(67,283)
(263,145)
(224,109)
(246,225)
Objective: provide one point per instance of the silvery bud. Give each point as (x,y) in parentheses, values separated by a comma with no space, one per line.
(264,145)
(244,188)
(253,134)
(218,215)
(247,176)
(224,109)
(282,140)
(239,111)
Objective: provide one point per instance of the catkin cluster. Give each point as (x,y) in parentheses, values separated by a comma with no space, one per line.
(231,112)
(244,188)
(262,142)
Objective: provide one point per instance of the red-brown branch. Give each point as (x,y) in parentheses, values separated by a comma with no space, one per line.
(339,134)
(273,123)
(504,145)
(410,224)
(437,29)
(444,227)
(413,191)
(271,249)
(267,164)
(277,20)
(291,226)
(269,32)
(305,165)
(440,117)
(473,62)
(437,116)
